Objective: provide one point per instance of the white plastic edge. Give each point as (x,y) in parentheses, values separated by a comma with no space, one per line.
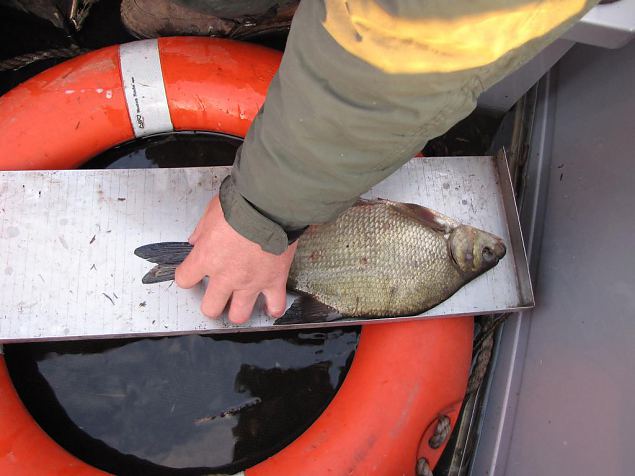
(144,88)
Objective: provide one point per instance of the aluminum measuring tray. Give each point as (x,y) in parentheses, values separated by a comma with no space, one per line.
(67,268)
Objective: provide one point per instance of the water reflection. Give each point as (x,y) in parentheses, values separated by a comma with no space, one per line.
(213,403)
(178,149)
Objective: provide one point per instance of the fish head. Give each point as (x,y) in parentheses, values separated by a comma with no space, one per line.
(475,251)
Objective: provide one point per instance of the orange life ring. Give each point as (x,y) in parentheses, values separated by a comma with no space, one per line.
(403,375)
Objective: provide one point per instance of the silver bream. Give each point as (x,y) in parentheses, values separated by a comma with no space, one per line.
(378,259)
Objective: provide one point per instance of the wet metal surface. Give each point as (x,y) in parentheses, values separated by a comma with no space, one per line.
(91,245)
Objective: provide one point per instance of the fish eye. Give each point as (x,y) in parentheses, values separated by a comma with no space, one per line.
(488,254)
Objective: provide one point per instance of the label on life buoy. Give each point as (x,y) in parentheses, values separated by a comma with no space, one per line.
(144,88)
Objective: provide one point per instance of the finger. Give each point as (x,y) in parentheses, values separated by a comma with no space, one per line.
(215,300)
(190,271)
(276,300)
(241,306)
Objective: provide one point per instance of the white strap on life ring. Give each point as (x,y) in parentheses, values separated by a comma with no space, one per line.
(144,87)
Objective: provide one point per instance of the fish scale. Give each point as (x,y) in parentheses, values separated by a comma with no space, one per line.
(375,260)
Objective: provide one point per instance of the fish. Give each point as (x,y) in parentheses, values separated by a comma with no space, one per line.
(378,259)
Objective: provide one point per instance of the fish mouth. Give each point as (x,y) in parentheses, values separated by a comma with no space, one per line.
(501,249)
(473,251)
(493,254)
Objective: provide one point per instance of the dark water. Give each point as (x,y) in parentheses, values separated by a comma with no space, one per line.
(180,405)
(182,149)
(212,403)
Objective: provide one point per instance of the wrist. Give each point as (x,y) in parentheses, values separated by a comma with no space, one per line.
(253,223)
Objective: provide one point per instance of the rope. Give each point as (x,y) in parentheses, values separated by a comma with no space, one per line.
(441,432)
(483,348)
(423,468)
(490,325)
(21,61)
(482,363)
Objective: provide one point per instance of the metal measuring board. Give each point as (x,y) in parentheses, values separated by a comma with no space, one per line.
(67,268)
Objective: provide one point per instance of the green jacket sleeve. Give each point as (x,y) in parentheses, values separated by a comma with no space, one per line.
(363,85)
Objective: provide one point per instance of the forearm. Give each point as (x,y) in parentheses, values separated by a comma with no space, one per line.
(356,96)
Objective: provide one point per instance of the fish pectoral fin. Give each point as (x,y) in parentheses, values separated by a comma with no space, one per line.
(430,218)
(305,310)
(168,252)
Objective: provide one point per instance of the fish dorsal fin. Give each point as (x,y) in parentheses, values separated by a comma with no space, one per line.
(430,218)
(364,202)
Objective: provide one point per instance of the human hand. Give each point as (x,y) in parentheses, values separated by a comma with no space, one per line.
(238,269)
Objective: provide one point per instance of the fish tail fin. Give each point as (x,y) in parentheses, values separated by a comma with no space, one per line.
(160,273)
(167,256)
